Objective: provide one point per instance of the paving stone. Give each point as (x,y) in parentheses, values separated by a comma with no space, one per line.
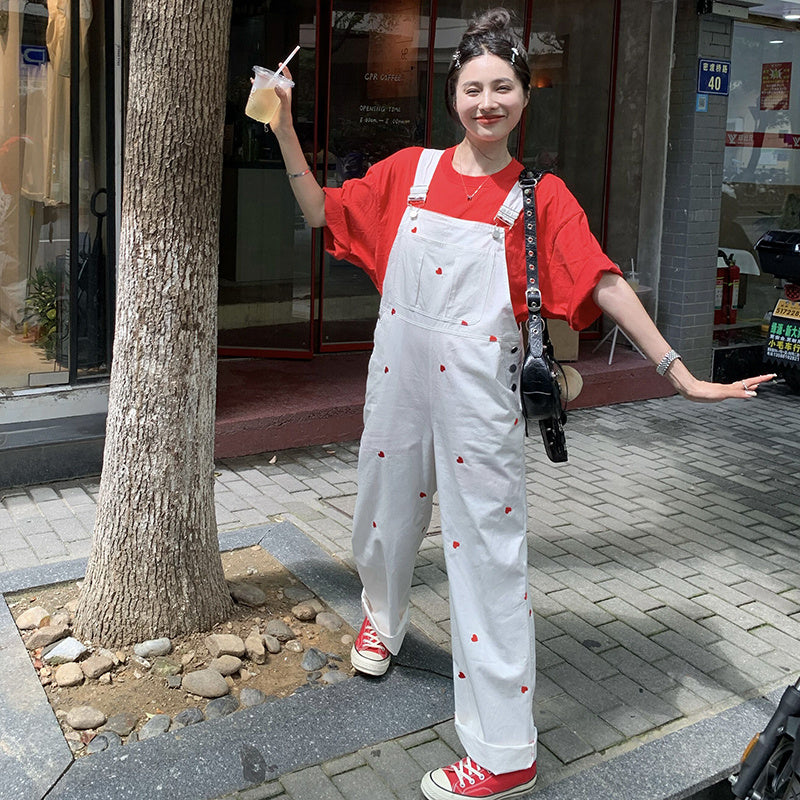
(307,783)
(362,784)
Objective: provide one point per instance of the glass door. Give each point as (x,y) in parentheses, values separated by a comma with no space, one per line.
(378,101)
(267,250)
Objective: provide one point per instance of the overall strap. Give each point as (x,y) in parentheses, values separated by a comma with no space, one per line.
(511,207)
(426,166)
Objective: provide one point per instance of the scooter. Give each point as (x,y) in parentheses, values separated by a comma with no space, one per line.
(770,766)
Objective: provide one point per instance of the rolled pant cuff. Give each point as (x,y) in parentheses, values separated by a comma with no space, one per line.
(497,758)
(393,643)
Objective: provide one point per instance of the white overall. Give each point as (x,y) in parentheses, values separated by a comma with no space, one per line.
(443,411)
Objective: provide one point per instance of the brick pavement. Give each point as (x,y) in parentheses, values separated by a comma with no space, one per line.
(664,573)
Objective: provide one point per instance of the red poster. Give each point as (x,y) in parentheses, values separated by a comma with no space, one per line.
(776,79)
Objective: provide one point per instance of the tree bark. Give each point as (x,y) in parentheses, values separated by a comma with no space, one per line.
(154,568)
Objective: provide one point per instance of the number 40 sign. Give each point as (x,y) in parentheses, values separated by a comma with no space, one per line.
(712,76)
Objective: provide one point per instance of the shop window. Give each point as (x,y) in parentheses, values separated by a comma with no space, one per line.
(761,178)
(377,106)
(44,291)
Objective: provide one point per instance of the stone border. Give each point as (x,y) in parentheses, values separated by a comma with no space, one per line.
(245,748)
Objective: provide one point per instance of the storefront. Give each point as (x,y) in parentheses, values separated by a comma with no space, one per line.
(668,175)
(761,179)
(57,175)
(369,81)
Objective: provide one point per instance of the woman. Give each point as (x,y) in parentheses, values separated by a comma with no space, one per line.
(436,233)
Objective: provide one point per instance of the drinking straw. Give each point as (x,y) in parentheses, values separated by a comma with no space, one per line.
(287,59)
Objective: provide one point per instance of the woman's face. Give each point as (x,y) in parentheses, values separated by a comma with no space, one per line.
(489,98)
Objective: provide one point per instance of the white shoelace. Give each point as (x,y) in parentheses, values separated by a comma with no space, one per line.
(371,639)
(466,768)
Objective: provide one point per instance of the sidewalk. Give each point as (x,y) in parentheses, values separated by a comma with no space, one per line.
(664,573)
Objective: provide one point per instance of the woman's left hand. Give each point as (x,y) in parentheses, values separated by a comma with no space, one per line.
(706,392)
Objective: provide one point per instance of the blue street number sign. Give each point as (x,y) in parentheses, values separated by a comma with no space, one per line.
(713,75)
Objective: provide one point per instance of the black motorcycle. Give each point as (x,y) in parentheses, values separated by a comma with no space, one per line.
(770,766)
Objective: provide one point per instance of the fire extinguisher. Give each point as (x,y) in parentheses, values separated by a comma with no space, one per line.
(722,290)
(733,294)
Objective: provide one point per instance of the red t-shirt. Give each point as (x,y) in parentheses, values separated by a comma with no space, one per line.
(363,216)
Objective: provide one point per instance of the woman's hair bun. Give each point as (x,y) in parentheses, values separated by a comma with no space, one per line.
(495,20)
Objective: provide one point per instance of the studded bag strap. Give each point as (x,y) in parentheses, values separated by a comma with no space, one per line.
(527,180)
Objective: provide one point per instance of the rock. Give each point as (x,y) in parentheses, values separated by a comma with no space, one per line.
(294,646)
(61,618)
(251,697)
(329,621)
(133,738)
(46,636)
(347,640)
(174,681)
(83,718)
(103,741)
(221,707)
(69,649)
(35,617)
(313,660)
(96,665)
(333,676)
(254,647)
(280,630)
(298,593)
(187,658)
(220,644)
(156,725)
(305,612)
(153,647)
(188,716)
(142,662)
(226,665)
(164,667)
(72,605)
(121,724)
(205,683)
(272,644)
(247,594)
(69,674)
(104,679)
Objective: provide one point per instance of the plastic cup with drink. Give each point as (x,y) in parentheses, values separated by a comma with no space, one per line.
(263,102)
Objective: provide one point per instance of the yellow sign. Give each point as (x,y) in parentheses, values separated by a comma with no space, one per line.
(787,308)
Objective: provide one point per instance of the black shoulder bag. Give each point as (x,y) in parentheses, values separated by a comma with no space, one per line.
(541,394)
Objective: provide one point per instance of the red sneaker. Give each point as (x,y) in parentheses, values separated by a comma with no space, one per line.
(369,654)
(468,779)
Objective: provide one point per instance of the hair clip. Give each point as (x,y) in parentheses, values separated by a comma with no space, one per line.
(457,59)
(514,54)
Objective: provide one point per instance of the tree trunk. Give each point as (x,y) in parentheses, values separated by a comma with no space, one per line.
(154,568)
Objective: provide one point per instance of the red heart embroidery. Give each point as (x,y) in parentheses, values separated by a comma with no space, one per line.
(508,509)
(530,613)
(386,369)
(393,311)
(374,525)
(524,689)
(441,367)
(456,545)
(422,494)
(381,454)
(438,270)
(464,322)
(413,230)
(492,338)
(461,675)
(526,596)
(516,420)
(474,637)
(459,460)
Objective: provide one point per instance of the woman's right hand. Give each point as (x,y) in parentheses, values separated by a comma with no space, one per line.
(281,122)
